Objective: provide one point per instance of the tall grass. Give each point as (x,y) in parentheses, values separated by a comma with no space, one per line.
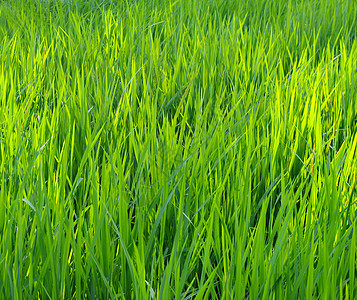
(178,149)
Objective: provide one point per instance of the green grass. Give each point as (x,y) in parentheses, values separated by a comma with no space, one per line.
(178,149)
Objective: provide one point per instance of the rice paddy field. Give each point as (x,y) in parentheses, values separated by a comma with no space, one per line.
(178,149)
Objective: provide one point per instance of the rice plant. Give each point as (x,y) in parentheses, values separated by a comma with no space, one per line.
(178,149)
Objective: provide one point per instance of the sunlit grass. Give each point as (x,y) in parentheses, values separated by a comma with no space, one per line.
(178,149)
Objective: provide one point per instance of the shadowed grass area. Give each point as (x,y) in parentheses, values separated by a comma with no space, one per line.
(178,149)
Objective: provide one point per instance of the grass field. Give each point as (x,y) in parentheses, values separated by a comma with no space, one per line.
(162,149)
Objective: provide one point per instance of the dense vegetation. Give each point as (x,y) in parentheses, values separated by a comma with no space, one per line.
(180,149)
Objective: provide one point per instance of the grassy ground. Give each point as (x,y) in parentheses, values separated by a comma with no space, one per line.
(178,149)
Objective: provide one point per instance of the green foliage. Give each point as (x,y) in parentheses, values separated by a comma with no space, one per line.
(178,149)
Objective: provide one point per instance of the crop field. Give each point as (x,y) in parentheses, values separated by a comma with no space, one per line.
(178,149)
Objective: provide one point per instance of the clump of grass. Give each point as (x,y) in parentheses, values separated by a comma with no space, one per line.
(178,149)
